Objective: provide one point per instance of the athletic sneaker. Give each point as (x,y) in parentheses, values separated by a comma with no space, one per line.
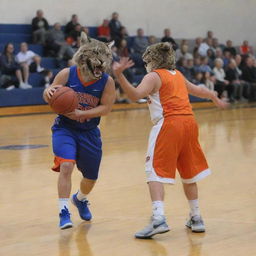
(65,221)
(196,224)
(157,225)
(82,207)
(25,86)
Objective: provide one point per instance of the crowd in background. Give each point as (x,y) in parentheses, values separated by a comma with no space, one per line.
(229,70)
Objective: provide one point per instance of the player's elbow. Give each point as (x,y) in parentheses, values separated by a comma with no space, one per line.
(106,110)
(135,96)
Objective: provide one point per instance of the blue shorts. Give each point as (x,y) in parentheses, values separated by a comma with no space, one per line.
(83,147)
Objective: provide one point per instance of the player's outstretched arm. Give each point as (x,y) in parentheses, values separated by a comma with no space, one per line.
(106,103)
(147,85)
(205,93)
(60,80)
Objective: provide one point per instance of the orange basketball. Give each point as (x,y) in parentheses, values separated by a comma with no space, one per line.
(64,100)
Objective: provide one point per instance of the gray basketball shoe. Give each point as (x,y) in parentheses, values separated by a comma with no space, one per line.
(157,225)
(196,224)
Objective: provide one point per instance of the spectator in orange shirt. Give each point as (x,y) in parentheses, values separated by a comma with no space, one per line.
(104,31)
(245,49)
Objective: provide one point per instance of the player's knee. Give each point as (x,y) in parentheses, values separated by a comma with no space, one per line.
(66,168)
(86,180)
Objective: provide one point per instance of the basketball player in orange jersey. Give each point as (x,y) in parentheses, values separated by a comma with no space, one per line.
(173,141)
(75,136)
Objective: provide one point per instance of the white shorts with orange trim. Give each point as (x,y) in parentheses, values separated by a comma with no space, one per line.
(173,144)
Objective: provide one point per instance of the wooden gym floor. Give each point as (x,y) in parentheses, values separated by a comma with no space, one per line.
(120,202)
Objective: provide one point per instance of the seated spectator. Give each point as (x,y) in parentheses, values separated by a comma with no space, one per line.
(226,58)
(152,40)
(190,68)
(48,77)
(182,67)
(120,97)
(74,35)
(238,59)
(11,69)
(229,48)
(211,57)
(122,49)
(138,47)
(219,53)
(233,76)
(167,38)
(204,46)
(56,42)
(28,60)
(198,78)
(245,48)
(123,34)
(249,76)
(198,42)
(140,42)
(197,64)
(104,31)
(209,34)
(216,44)
(39,28)
(204,67)
(209,80)
(221,83)
(115,26)
(70,26)
(183,52)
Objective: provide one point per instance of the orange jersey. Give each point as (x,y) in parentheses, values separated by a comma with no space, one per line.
(172,97)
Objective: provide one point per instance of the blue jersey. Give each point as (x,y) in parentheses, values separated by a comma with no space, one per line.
(89,96)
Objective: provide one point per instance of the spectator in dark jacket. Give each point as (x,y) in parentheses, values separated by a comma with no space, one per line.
(249,75)
(233,76)
(167,38)
(115,26)
(71,25)
(229,48)
(39,27)
(11,68)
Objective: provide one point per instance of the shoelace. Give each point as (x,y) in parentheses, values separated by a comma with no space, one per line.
(85,201)
(65,212)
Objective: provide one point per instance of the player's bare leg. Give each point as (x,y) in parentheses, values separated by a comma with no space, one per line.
(80,198)
(195,221)
(64,189)
(86,185)
(156,190)
(158,223)
(64,181)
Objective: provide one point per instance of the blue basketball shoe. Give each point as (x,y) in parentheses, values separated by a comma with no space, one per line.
(82,207)
(65,221)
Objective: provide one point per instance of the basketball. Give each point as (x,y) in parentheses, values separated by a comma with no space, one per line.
(64,100)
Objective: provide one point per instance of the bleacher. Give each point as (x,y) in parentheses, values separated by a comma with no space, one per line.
(17,33)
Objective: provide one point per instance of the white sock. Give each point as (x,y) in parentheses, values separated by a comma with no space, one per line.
(194,207)
(63,202)
(80,196)
(158,208)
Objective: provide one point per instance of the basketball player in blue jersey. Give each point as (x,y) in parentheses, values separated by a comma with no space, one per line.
(76,136)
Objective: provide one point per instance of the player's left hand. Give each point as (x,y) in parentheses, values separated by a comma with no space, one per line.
(218,102)
(77,115)
(123,64)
